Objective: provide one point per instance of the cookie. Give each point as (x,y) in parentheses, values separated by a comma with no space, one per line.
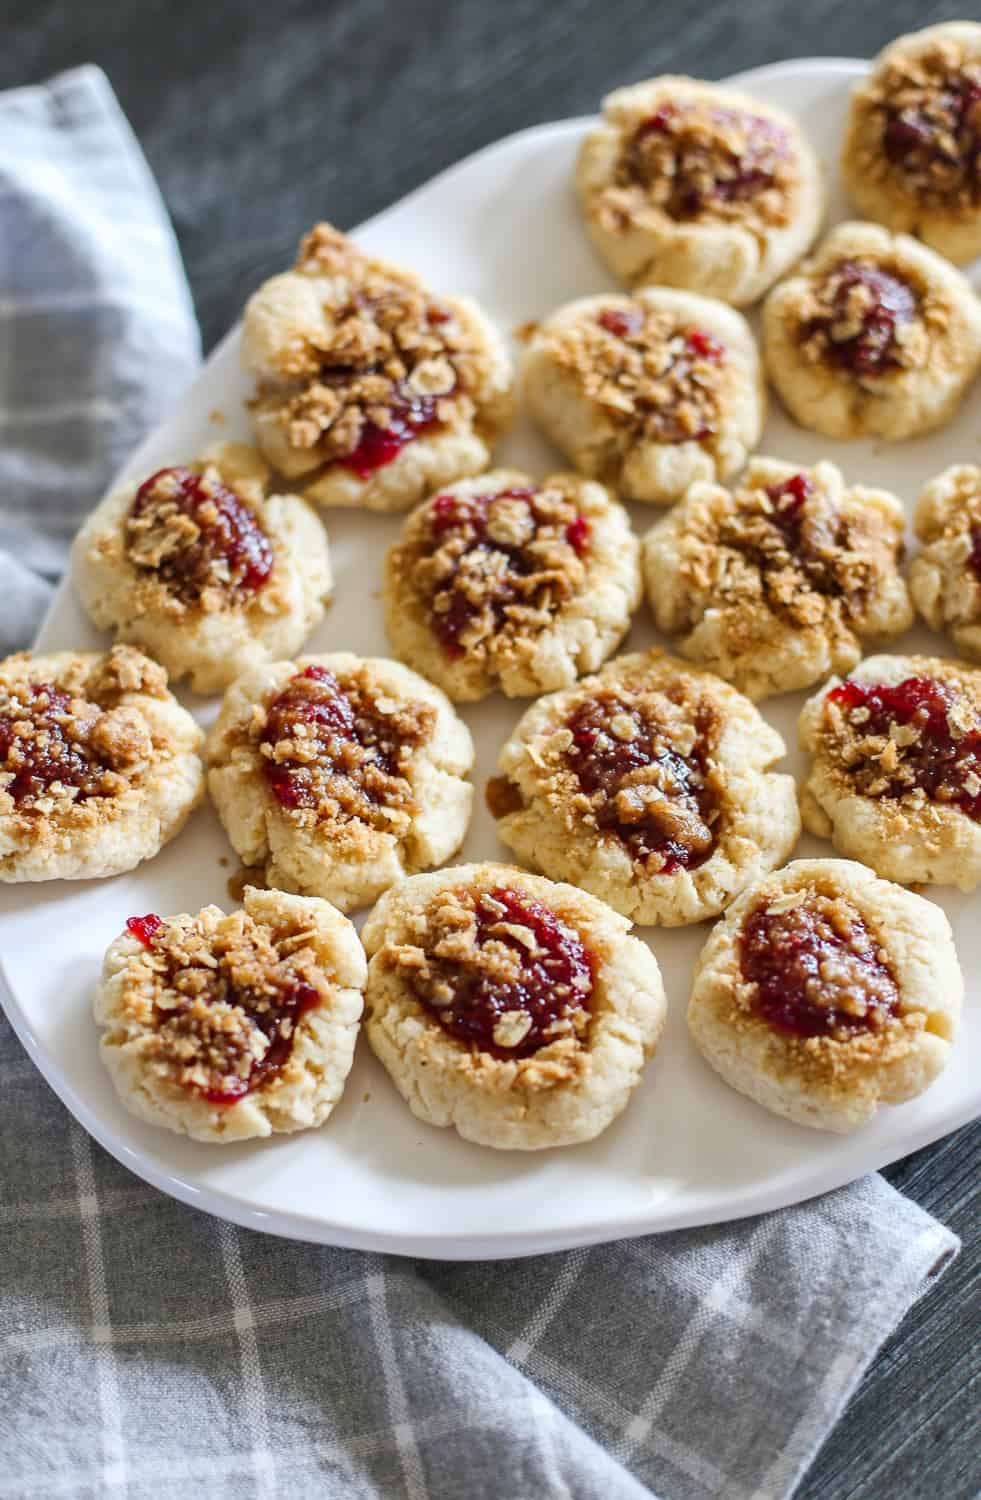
(339,774)
(371,391)
(825,992)
(99,764)
(913,140)
(775,583)
(225,1028)
(505,581)
(874,336)
(204,567)
(647,393)
(896,777)
(516,1010)
(945,575)
(647,785)
(691,185)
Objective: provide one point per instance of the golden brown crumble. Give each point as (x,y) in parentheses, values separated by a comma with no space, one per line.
(869,315)
(392,359)
(638,763)
(336,752)
(203,541)
(493,571)
(63,742)
(221,996)
(655,381)
(918,739)
(505,975)
(789,549)
(695,160)
(922,127)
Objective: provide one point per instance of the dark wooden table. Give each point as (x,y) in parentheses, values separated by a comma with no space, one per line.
(256,119)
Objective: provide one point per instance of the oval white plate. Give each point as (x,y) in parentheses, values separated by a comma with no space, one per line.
(502,226)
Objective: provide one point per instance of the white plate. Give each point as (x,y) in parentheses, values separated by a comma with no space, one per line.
(502,226)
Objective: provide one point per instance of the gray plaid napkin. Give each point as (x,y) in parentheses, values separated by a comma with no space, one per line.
(146,1348)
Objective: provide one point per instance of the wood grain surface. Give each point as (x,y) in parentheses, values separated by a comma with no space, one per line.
(258,119)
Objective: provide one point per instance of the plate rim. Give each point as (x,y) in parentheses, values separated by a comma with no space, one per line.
(441,1245)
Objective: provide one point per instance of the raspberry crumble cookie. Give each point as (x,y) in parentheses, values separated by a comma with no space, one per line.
(691,185)
(912,156)
(896,779)
(504,581)
(647,785)
(775,583)
(825,992)
(204,568)
(228,1027)
(874,336)
(647,393)
(99,764)
(340,774)
(945,576)
(371,390)
(516,1010)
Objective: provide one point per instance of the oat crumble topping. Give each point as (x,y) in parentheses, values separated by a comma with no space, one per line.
(636,763)
(657,383)
(924,115)
(336,753)
(496,569)
(200,538)
(65,742)
(812,968)
(222,997)
(919,739)
(866,316)
(501,972)
(787,546)
(395,362)
(695,160)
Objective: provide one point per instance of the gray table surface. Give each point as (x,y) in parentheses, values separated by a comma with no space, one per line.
(257,119)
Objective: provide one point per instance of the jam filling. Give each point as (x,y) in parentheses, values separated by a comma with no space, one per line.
(684,407)
(697,160)
(817,970)
(868,305)
(408,417)
(207,1014)
(658,799)
(46,740)
(522,980)
(330,749)
(506,551)
(935,732)
(197,534)
(937,138)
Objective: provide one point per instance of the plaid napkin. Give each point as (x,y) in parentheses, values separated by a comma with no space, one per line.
(145,1347)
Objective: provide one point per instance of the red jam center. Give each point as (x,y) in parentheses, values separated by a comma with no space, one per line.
(469,517)
(798,958)
(314,711)
(276,1020)
(788,499)
(408,417)
(892,303)
(228,532)
(42,743)
(709,172)
(672,824)
(556,977)
(946,135)
(628,322)
(947,767)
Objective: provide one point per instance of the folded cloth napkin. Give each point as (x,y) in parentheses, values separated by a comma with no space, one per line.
(147,1348)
